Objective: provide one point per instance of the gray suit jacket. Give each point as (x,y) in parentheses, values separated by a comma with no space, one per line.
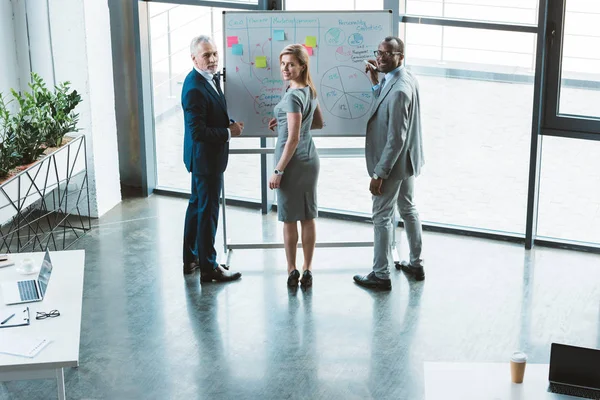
(394,145)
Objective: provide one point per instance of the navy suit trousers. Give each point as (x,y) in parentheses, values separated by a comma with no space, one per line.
(201,220)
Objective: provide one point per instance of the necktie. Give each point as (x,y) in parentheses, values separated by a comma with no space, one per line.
(217,82)
(380,88)
(382,84)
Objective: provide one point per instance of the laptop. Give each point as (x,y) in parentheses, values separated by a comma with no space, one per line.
(30,290)
(575,371)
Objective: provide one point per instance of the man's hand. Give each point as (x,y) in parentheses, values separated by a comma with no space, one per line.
(273,124)
(371,71)
(376,187)
(236,128)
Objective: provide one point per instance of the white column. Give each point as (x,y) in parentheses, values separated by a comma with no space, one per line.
(81,46)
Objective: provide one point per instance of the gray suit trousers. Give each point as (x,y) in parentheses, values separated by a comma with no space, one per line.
(399,192)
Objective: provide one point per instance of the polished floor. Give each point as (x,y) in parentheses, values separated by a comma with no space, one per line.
(148,332)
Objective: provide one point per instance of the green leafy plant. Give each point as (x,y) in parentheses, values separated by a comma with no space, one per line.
(30,127)
(43,118)
(9,156)
(63,117)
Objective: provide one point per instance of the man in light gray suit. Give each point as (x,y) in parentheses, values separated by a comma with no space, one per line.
(394,154)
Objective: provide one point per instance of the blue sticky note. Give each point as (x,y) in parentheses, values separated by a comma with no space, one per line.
(279,34)
(237,49)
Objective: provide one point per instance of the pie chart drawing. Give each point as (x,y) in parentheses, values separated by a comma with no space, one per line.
(346,92)
(335,36)
(343,53)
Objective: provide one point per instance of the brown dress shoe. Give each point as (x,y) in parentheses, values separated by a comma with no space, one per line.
(218,274)
(190,268)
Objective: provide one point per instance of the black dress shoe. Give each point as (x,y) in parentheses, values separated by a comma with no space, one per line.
(190,268)
(416,272)
(293,278)
(372,281)
(218,274)
(306,280)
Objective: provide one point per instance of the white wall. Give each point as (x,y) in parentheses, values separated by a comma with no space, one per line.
(39,38)
(82,55)
(9,77)
(69,40)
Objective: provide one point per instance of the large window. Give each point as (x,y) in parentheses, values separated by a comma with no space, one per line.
(333,5)
(172,27)
(475,62)
(476,101)
(514,11)
(569,206)
(580,77)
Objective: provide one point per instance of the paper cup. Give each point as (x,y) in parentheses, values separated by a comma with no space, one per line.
(517,366)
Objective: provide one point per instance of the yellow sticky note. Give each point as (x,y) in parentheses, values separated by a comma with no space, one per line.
(260,61)
(311,41)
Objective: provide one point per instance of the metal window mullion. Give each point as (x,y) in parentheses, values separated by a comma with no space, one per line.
(536,126)
(142,37)
(462,23)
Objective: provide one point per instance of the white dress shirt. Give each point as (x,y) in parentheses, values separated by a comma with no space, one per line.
(387,77)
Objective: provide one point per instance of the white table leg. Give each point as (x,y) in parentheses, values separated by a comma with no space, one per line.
(60,383)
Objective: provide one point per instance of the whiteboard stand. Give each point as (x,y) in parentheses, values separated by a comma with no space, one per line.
(228,248)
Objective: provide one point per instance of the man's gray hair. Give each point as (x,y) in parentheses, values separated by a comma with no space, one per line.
(197,40)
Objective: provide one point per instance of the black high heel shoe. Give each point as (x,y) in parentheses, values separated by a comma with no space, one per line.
(293,278)
(307,279)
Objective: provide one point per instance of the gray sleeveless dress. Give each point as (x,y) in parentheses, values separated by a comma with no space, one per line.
(297,195)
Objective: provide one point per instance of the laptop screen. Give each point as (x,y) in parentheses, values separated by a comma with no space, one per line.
(45,272)
(576,366)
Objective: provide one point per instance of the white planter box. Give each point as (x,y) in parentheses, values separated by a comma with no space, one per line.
(45,186)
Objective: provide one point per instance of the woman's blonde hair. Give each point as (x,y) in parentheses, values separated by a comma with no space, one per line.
(298,51)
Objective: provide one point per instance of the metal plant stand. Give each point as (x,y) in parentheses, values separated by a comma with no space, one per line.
(48,204)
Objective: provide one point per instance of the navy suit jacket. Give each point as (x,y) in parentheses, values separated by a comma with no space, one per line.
(205,145)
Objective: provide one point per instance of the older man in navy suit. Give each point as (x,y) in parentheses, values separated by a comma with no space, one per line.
(208,130)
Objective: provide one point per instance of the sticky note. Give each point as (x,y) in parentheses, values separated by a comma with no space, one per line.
(308,49)
(279,34)
(237,49)
(260,61)
(231,40)
(311,41)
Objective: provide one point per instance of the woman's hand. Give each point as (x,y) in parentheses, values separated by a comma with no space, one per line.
(273,124)
(275,182)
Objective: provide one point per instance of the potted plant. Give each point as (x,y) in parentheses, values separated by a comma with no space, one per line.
(42,120)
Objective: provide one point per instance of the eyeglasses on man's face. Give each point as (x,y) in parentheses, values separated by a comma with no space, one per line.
(385,54)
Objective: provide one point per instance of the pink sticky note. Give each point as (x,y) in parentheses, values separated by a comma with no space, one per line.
(308,49)
(231,40)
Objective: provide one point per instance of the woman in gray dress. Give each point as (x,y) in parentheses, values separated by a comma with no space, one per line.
(296,160)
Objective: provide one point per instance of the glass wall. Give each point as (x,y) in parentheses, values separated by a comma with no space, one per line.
(569,205)
(333,5)
(476,102)
(580,83)
(476,106)
(512,11)
(171,29)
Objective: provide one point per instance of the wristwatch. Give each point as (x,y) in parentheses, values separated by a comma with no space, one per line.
(278,172)
(375,176)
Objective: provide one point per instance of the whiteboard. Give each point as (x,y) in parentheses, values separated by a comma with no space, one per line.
(339,42)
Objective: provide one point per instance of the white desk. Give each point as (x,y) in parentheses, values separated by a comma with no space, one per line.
(486,381)
(65,293)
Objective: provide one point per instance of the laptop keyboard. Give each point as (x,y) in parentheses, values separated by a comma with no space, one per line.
(575,391)
(27,290)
